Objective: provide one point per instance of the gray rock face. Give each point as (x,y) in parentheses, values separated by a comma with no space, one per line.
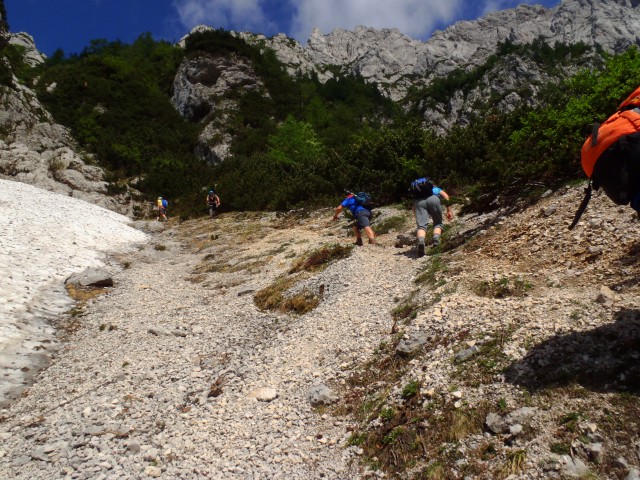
(395,62)
(200,87)
(32,55)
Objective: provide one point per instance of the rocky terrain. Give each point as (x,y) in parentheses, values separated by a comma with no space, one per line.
(511,353)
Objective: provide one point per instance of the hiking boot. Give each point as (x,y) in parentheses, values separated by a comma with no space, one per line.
(420,249)
(359,242)
(372,241)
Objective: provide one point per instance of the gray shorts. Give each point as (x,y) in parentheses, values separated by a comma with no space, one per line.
(428,207)
(363,219)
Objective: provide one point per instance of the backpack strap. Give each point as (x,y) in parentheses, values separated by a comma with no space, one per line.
(583,206)
(594,134)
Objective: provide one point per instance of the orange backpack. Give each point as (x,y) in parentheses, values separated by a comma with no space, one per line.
(611,156)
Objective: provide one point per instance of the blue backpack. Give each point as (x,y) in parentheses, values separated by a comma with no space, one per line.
(165,204)
(364,199)
(421,186)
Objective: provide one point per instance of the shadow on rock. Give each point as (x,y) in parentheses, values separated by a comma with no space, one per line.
(628,264)
(604,359)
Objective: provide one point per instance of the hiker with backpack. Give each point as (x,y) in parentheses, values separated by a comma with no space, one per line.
(426,203)
(611,157)
(162,205)
(360,207)
(213,202)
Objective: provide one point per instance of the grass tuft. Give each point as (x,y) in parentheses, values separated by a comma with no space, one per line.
(274,298)
(319,259)
(502,287)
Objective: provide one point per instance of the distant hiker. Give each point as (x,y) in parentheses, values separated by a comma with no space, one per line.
(213,202)
(426,203)
(611,157)
(162,205)
(360,207)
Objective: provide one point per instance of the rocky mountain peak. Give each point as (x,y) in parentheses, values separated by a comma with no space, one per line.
(387,57)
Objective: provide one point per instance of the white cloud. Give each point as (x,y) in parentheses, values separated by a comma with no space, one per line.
(495,5)
(229,14)
(412,17)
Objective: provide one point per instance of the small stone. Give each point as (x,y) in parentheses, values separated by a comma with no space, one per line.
(515,429)
(457,394)
(574,467)
(133,447)
(23,460)
(495,423)
(153,472)
(591,427)
(411,345)
(265,394)
(595,452)
(606,296)
(321,395)
(634,474)
(621,462)
(466,354)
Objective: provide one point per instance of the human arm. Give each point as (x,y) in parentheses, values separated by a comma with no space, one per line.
(444,195)
(338,210)
(218,202)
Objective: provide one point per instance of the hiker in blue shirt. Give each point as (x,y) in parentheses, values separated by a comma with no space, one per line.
(362,216)
(426,203)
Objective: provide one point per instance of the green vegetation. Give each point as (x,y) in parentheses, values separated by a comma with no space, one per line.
(114,97)
(411,389)
(274,298)
(502,287)
(319,259)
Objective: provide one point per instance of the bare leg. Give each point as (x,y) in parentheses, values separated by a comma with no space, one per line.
(370,234)
(358,236)
(436,236)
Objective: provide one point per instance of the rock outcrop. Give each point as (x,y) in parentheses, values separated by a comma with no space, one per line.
(32,56)
(201,94)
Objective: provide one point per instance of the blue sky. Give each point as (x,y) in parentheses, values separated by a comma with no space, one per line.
(71,24)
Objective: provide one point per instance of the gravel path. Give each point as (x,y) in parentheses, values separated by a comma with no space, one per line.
(174,371)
